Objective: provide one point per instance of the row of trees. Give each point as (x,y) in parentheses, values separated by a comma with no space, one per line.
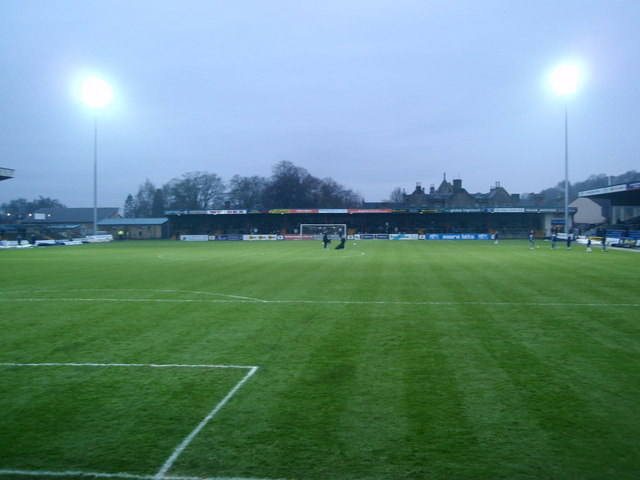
(289,186)
(21,208)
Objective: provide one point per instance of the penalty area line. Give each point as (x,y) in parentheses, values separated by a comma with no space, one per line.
(189,438)
(124,476)
(162,473)
(45,473)
(151,365)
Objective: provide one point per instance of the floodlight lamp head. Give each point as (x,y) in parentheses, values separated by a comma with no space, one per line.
(96,93)
(564,80)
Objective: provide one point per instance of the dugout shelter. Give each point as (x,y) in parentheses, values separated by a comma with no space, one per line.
(135,228)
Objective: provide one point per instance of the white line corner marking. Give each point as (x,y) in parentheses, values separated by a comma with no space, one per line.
(189,438)
(185,443)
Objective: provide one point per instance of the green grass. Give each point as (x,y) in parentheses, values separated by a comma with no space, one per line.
(388,360)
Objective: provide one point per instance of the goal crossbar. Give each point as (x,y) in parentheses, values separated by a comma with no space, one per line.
(334,230)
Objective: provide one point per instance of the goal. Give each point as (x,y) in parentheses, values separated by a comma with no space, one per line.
(318,229)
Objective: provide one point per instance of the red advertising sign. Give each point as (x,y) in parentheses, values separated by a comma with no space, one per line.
(370,210)
(298,237)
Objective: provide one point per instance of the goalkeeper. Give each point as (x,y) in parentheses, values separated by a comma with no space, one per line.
(326,240)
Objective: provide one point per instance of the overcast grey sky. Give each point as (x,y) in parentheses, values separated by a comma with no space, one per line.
(374,94)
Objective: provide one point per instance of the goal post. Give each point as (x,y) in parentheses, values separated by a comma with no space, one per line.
(319,229)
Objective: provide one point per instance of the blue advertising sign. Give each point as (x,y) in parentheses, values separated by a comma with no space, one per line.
(458,236)
(229,237)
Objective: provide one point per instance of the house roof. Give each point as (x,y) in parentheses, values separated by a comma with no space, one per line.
(6,173)
(602,202)
(132,222)
(444,188)
(72,215)
(625,194)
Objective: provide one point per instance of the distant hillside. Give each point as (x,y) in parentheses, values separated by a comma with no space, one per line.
(555,195)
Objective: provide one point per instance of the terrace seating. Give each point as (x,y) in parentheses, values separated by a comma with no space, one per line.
(624,238)
(616,233)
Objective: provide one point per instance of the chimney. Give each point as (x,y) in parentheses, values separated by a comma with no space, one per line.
(457,185)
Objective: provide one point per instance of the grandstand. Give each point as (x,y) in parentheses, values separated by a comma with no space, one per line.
(448,209)
(511,222)
(623,237)
(624,230)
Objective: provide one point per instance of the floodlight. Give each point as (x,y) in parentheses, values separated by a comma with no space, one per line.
(96,93)
(564,79)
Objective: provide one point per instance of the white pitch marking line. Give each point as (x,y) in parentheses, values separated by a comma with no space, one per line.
(138,290)
(320,302)
(127,476)
(185,443)
(178,450)
(242,299)
(152,365)
(44,473)
(169,291)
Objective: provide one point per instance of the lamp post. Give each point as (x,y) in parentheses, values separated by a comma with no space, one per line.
(564,81)
(96,94)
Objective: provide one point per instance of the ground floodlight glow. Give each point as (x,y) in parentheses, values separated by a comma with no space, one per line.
(96,93)
(564,79)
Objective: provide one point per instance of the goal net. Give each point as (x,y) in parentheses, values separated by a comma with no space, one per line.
(318,229)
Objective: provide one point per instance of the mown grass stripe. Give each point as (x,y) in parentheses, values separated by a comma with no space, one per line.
(321,302)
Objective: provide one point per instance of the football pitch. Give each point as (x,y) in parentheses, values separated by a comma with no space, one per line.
(387,360)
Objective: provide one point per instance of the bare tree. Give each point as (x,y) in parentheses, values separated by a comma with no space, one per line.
(197,191)
(158,204)
(21,207)
(334,195)
(246,192)
(144,200)
(397,195)
(285,188)
(294,187)
(129,207)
